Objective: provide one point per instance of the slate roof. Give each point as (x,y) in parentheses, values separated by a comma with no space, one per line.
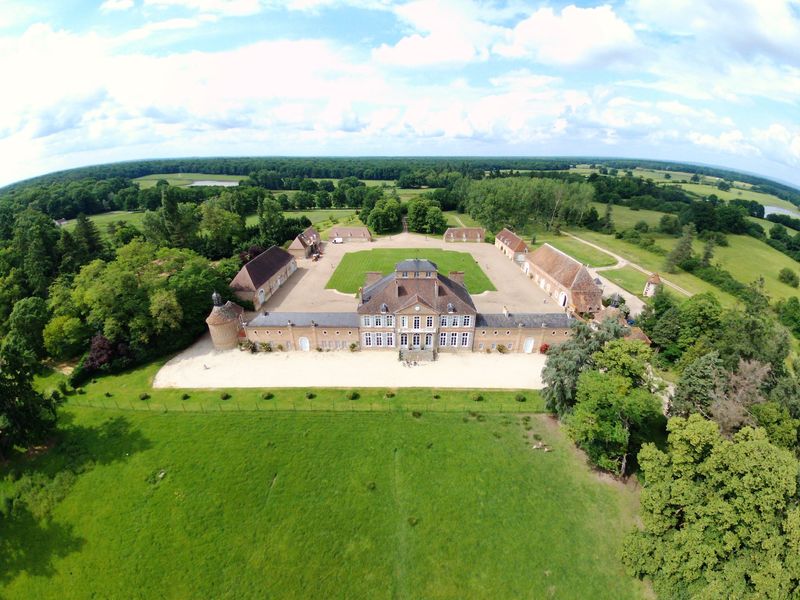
(528,320)
(226,313)
(305,319)
(258,271)
(416,264)
(396,293)
(512,240)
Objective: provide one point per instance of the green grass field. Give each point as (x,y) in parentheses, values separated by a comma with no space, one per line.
(581,252)
(183,179)
(625,218)
(102,220)
(333,505)
(453,218)
(349,275)
(315,216)
(627,278)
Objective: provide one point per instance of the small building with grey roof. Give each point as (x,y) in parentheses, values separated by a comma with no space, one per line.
(261,277)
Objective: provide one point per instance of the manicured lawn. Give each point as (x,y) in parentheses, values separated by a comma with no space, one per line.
(316,216)
(627,278)
(349,275)
(467,221)
(581,252)
(183,179)
(327,505)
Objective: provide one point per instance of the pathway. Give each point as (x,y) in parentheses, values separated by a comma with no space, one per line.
(459,221)
(622,262)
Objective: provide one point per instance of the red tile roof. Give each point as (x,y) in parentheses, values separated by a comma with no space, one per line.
(512,240)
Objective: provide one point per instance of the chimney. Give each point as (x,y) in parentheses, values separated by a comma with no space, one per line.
(372,277)
(457,276)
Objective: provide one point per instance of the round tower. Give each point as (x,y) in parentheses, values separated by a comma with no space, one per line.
(224,323)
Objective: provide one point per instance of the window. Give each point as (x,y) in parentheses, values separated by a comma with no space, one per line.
(390,340)
(443,321)
(389,321)
(416,322)
(415,340)
(454,339)
(428,340)
(366,320)
(465,340)
(405,273)
(324,333)
(443,339)
(495,333)
(379,339)
(480,346)
(467,320)
(454,321)
(404,322)
(337,333)
(429,322)
(367,340)
(508,333)
(378,321)
(511,346)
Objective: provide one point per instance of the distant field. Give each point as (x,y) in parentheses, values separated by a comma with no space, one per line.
(625,218)
(627,278)
(741,194)
(184,179)
(581,252)
(315,216)
(102,220)
(349,275)
(453,218)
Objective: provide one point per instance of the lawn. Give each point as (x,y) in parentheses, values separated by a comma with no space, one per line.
(183,179)
(627,278)
(625,218)
(349,275)
(323,505)
(581,252)
(102,220)
(453,218)
(316,216)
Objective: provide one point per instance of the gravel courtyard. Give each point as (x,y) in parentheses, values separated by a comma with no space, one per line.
(200,366)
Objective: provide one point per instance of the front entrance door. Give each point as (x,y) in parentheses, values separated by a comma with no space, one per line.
(415,340)
(304,345)
(528,345)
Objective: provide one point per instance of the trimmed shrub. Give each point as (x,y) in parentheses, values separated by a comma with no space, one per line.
(501,348)
(225,396)
(144,396)
(267,396)
(544,348)
(389,395)
(477,398)
(416,414)
(185,396)
(520,398)
(310,395)
(352,395)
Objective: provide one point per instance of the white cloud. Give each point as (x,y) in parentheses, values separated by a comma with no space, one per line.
(780,143)
(231,8)
(732,141)
(112,5)
(148,29)
(446,32)
(576,36)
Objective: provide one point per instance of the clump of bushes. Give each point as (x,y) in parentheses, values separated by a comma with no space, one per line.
(353,347)
(310,395)
(225,396)
(107,394)
(416,414)
(436,396)
(267,396)
(144,396)
(389,395)
(352,395)
(501,348)
(477,397)
(520,398)
(788,277)
(185,396)
(266,347)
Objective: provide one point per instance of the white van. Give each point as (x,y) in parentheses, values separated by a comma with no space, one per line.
(338,240)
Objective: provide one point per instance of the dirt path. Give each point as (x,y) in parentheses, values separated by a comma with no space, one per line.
(623,262)
(459,221)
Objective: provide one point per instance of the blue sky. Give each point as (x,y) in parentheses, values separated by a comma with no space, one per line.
(92,81)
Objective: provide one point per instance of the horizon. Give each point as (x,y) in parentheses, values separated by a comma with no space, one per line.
(100,82)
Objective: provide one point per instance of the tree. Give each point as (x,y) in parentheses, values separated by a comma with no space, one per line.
(26,416)
(610,419)
(697,386)
(789,277)
(26,324)
(435,221)
(35,244)
(64,337)
(87,240)
(565,362)
(626,358)
(682,250)
(222,227)
(716,522)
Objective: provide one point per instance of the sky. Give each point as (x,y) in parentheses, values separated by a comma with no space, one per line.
(94,81)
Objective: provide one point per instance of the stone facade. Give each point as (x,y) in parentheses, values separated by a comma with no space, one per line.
(511,245)
(566,280)
(465,234)
(305,244)
(225,323)
(520,333)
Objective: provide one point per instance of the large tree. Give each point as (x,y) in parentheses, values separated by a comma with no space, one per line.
(720,517)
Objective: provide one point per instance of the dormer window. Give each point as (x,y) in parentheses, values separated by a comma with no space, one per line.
(451,308)
(384,308)
(405,274)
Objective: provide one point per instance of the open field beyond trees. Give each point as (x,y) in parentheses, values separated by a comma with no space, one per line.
(183,179)
(299,505)
(581,252)
(349,275)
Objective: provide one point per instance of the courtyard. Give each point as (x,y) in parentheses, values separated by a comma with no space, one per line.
(306,289)
(200,366)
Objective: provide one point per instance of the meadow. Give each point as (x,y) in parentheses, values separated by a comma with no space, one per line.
(581,252)
(349,275)
(184,179)
(325,505)
(627,278)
